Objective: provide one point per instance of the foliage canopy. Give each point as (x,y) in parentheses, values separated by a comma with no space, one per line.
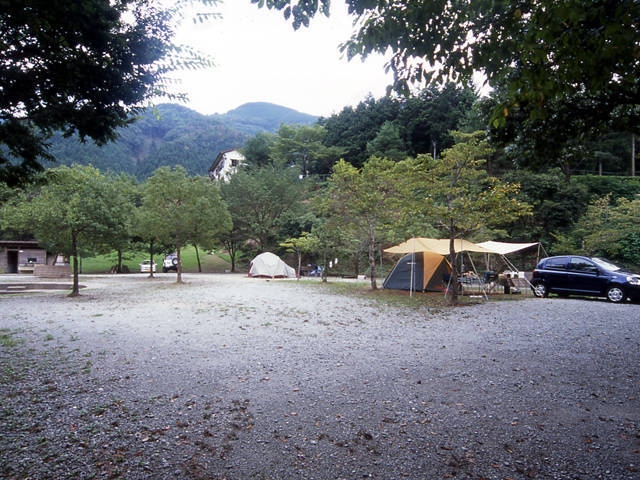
(547,59)
(81,67)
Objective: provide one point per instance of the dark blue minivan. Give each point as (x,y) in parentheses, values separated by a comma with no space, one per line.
(591,276)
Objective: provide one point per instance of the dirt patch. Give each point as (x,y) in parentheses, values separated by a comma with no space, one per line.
(228,377)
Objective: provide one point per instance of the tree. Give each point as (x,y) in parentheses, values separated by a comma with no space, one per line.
(353,128)
(546,58)
(127,198)
(464,199)
(610,229)
(388,143)
(371,200)
(302,145)
(257,149)
(77,208)
(259,201)
(80,67)
(211,218)
(147,228)
(423,123)
(305,243)
(182,209)
(429,116)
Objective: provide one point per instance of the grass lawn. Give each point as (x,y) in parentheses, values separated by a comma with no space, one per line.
(401,298)
(211,263)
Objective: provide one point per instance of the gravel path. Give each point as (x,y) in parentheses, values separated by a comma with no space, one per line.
(228,377)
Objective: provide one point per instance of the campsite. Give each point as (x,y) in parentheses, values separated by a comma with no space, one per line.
(426,266)
(286,360)
(234,377)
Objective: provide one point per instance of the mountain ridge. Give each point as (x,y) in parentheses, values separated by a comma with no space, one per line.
(253,117)
(172,134)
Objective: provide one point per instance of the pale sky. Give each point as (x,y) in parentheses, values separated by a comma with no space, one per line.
(260,58)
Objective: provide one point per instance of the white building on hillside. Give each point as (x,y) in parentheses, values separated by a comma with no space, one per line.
(226,164)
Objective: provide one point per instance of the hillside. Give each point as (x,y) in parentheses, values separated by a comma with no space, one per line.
(254,117)
(171,134)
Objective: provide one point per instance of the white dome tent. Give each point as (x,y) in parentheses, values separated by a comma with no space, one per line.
(269,265)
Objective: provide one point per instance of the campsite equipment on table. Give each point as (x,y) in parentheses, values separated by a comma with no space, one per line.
(513,280)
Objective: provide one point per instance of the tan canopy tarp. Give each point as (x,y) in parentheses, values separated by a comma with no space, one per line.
(437,245)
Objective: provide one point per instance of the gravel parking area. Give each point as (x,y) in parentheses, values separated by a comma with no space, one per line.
(228,377)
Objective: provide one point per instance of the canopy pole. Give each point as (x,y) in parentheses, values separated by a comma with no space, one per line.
(484,292)
(511,266)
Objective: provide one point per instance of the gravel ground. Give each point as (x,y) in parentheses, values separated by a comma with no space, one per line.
(228,377)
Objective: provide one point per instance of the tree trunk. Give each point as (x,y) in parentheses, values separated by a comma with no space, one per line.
(198,258)
(151,258)
(324,265)
(372,258)
(452,288)
(230,244)
(119,266)
(75,290)
(179,276)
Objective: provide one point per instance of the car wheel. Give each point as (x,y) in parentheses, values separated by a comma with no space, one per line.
(540,290)
(174,261)
(615,294)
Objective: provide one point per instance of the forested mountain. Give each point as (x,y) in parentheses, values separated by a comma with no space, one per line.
(256,117)
(421,123)
(171,134)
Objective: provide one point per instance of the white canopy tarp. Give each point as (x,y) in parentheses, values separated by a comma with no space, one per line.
(270,265)
(504,248)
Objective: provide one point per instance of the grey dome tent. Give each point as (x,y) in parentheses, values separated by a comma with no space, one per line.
(429,270)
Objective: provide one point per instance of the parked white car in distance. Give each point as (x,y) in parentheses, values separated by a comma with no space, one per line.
(145,266)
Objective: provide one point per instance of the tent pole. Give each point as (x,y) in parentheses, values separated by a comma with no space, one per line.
(413,261)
